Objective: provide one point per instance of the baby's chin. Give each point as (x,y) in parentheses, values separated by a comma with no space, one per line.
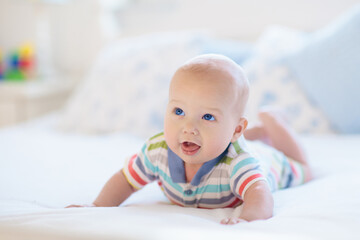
(196,159)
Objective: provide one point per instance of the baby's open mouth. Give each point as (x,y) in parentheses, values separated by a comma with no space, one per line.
(189,148)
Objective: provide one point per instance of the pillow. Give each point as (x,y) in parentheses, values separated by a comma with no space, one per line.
(271,83)
(328,69)
(127,88)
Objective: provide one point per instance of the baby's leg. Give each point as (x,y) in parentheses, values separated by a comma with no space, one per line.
(257,133)
(275,132)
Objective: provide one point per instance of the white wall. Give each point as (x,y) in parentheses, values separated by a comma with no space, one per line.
(244,19)
(68,33)
(16,23)
(76,34)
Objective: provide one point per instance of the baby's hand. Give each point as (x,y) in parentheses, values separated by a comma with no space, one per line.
(232,220)
(83,205)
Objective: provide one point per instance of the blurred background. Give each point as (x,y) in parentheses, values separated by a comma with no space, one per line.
(47,47)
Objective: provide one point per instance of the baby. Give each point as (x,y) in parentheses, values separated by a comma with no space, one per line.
(202,158)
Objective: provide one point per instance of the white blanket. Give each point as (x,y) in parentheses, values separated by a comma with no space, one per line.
(42,170)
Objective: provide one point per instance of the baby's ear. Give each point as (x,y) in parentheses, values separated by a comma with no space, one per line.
(240,128)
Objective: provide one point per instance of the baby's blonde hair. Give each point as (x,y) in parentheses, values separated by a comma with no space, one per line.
(214,62)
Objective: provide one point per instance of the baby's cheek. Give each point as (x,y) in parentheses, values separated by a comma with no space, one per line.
(216,147)
(168,129)
(170,136)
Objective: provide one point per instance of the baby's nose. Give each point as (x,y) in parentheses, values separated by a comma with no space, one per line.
(190,128)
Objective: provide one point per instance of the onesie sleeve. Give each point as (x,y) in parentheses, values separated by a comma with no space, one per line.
(140,169)
(244,171)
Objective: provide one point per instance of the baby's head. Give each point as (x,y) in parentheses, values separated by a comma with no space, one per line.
(207,98)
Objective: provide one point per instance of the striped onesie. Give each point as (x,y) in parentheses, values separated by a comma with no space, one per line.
(220,182)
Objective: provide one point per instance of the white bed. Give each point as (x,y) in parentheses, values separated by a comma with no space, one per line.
(46,170)
(66,157)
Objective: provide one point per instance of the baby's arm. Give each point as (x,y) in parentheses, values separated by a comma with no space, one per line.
(116,190)
(258,204)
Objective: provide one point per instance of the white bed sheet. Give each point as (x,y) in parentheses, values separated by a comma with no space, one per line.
(43,170)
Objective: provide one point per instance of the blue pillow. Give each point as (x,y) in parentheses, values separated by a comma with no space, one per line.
(328,69)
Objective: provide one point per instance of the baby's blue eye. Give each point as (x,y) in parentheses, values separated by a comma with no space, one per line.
(179,111)
(208,117)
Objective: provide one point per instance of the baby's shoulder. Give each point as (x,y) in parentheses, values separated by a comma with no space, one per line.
(157,137)
(156,144)
(157,140)
(237,152)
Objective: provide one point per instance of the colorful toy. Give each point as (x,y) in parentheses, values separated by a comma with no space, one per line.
(19,64)
(26,60)
(1,67)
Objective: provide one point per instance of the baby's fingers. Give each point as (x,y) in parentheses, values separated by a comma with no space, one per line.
(79,206)
(231,221)
(74,205)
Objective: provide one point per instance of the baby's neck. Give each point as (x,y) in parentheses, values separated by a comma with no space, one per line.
(191,170)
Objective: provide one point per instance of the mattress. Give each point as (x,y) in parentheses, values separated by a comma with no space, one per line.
(42,170)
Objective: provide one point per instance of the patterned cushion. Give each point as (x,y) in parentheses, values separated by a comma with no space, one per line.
(272,84)
(328,69)
(127,88)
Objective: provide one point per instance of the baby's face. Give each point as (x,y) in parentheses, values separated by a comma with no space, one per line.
(200,120)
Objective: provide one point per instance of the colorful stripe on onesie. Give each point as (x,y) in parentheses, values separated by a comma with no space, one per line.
(219,183)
